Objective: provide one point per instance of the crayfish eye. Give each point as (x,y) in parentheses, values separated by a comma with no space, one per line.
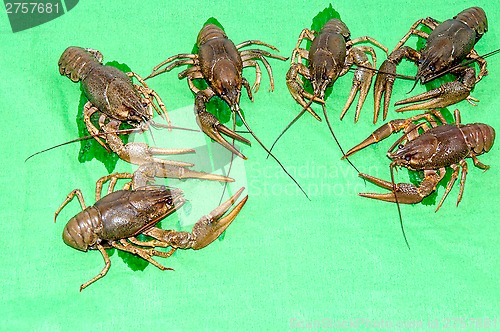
(432,67)
(170,201)
(145,104)
(400,146)
(407,158)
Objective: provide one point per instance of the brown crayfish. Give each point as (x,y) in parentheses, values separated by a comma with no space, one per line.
(220,63)
(447,46)
(113,95)
(439,146)
(331,55)
(115,220)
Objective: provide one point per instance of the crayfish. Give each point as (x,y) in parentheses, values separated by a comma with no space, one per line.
(448,45)
(115,220)
(439,146)
(220,63)
(331,55)
(112,94)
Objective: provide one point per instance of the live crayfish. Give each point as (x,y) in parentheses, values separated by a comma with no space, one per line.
(448,45)
(331,55)
(112,94)
(439,146)
(115,220)
(220,63)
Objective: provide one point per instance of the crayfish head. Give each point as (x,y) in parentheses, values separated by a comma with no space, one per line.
(154,202)
(414,155)
(126,105)
(322,77)
(327,56)
(402,158)
(227,83)
(137,112)
(434,61)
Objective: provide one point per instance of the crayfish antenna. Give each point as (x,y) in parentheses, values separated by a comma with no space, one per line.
(335,138)
(237,110)
(84,138)
(391,167)
(285,130)
(293,121)
(118,132)
(414,84)
(151,131)
(404,77)
(164,126)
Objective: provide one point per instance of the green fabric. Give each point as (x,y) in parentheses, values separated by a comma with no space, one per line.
(286,262)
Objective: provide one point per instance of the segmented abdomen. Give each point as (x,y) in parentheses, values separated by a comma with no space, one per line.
(81,231)
(474,18)
(479,137)
(77,62)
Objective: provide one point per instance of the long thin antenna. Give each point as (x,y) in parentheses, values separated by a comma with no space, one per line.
(285,130)
(335,138)
(269,152)
(84,138)
(414,85)
(164,126)
(293,121)
(391,167)
(118,132)
(404,77)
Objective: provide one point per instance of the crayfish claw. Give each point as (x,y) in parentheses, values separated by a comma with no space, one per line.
(377,181)
(205,231)
(404,193)
(361,82)
(211,226)
(447,94)
(381,133)
(383,86)
(299,94)
(147,173)
(213,129)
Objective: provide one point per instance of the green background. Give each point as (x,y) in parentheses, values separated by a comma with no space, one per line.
(285,262)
